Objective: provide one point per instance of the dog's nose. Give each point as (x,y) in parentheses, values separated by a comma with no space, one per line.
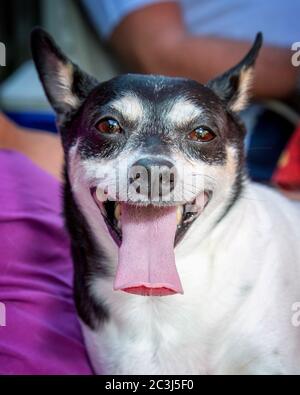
(160,176)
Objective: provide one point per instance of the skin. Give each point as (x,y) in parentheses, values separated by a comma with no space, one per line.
(43,148)
(155,40)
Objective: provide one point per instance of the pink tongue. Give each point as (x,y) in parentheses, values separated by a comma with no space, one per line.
(146,256)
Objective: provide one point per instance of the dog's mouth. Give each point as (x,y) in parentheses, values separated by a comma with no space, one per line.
(186,214)
(146,236)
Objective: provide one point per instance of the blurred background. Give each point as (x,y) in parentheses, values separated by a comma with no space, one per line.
(193,38)
(21,95)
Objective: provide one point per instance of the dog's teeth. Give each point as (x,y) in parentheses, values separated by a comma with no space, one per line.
(100,195)
(179,213)
(118,212)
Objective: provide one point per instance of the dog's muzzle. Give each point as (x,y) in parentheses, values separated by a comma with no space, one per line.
(146,226)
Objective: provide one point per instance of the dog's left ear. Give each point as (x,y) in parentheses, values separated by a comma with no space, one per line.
(234,85)
(65,85)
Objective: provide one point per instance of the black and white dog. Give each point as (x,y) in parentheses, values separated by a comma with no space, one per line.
(157,202)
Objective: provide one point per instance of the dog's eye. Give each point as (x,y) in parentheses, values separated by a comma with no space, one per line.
(202,134)
(109,126)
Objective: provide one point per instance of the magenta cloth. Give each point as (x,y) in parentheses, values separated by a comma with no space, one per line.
(42,333)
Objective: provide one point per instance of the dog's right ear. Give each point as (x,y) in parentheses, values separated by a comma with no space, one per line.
(65,85)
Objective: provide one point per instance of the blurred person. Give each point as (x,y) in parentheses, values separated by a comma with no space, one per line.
(199,39)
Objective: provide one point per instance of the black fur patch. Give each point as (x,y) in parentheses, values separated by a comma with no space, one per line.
(87,258)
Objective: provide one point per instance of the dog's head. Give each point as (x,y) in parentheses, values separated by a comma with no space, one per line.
(147,157)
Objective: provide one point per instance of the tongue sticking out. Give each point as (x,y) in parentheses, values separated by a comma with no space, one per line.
(146,256)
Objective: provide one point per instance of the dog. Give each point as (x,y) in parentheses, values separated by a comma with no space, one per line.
(193,269)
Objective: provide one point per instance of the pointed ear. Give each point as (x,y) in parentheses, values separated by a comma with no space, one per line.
(234,85)
(65,85)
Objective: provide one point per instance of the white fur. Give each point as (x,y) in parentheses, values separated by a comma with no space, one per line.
(129,106)
(81,190)
(63,92)
(240,280)
(183,111)
(246,81)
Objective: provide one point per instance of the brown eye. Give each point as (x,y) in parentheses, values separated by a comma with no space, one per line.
(109,126)
(202,134)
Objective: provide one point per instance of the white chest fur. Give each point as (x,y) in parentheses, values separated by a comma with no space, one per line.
(240,283)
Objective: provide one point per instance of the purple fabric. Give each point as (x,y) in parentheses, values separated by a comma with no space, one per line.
(42,334)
